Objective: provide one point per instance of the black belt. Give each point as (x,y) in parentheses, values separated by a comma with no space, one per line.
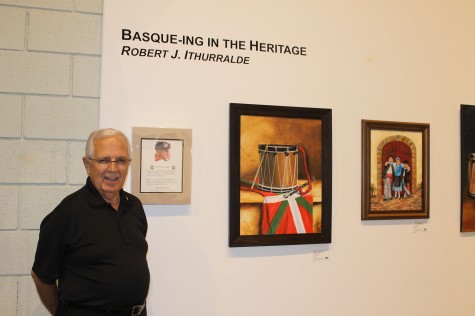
(132,311)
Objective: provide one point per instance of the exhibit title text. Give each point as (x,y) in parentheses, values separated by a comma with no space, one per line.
(208,49)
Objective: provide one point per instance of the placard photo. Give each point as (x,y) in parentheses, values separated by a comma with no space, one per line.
(161,165)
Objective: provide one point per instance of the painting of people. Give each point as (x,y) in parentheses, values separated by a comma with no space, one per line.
(395,160)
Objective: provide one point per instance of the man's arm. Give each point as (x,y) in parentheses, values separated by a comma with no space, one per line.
(48,294)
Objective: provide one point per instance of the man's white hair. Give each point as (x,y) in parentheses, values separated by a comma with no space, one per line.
(104,133)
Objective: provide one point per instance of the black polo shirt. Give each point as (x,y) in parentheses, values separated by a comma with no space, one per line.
(97,254)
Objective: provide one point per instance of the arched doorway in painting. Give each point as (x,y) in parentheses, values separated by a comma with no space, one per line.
(397,149)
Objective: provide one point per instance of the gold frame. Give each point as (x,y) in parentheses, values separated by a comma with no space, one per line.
(373,206)
(162,195)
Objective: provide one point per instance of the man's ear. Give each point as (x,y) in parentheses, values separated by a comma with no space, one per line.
(86,163)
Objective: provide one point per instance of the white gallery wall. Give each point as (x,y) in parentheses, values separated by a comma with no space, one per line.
(410,61)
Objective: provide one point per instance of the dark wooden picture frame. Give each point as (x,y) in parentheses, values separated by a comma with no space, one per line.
(395,170)
(267,144)
(467,163)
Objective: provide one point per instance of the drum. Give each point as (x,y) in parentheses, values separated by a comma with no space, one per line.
(278,168)
(471,174)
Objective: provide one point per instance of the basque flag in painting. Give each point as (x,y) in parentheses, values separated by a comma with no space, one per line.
(283,214)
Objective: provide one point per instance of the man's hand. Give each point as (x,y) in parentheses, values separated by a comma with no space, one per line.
(48,294)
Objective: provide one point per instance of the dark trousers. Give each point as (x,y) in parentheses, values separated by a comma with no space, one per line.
(67,310)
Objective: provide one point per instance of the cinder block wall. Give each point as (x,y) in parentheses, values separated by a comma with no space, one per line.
(49,103)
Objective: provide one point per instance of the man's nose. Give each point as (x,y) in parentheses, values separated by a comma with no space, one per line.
(112,165)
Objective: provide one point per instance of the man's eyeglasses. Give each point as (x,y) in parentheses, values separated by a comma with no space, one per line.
(105,162)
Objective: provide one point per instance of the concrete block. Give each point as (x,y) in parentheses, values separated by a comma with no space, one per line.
(91,6)
(25,72)
(12,28)
(76,172)
(20,247)
(33,161)
(60,118)
(8,295)
(86,76)
(38,201)
(29,302)
(11,107)
(54,31)
(9,197)
(43,4)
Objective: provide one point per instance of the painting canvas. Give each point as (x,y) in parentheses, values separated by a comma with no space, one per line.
(280,175)
(395,170)
(467,118)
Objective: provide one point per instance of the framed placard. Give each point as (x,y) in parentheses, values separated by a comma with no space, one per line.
(395,170)
(280,175)
(161,165)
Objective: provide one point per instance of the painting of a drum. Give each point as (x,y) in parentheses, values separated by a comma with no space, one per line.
(278,168)
(280,175)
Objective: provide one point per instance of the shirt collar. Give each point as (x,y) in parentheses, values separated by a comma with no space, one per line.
(95,199)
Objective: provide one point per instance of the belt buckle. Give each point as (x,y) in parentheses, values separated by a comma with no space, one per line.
(137,310)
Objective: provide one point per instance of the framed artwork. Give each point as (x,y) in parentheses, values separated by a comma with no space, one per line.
(280,175)
(467,120)
(161,165)
(395,170)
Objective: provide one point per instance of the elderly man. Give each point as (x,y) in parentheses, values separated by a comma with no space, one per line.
(91,254)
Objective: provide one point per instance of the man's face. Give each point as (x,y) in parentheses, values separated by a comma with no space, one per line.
(108,179)
(390,159)
(162,155)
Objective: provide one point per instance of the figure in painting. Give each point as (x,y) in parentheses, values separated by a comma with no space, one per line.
(388,172)
(398,175)
(406,179)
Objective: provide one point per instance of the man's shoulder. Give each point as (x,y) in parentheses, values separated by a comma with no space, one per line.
(71,201)
(63,211)
(73,197)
